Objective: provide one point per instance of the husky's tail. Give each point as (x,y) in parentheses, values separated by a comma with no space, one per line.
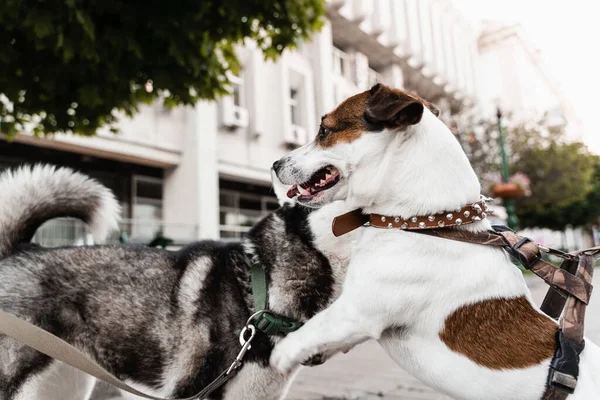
(30,196)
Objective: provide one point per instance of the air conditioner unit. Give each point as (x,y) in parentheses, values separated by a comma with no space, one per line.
(233,116)
(296,136)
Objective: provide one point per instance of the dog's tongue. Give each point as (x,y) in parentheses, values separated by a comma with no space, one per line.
(293,192)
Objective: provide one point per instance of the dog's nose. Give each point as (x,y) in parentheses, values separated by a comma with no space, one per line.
(277,166)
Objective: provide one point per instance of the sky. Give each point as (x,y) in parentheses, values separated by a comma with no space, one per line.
(567,33)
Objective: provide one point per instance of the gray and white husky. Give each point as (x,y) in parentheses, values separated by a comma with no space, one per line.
(165,322)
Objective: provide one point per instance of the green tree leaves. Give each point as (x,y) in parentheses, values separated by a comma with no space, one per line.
(565,177)
(110,55)
(562,176)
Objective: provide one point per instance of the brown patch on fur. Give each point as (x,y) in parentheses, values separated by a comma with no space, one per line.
(350,120)
(501,333)
(346,123)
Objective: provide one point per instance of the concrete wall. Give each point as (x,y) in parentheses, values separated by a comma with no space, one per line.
(191,190)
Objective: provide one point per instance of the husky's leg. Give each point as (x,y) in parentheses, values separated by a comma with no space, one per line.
(57,382)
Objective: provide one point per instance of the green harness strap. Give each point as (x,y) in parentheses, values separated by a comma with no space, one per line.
(266,321)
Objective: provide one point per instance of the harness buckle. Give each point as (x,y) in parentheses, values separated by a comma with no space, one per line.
(563,382)
(501,228)
(514,251)
(564,368)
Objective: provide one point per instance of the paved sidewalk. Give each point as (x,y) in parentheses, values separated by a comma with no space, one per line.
(364,373)
(367,373)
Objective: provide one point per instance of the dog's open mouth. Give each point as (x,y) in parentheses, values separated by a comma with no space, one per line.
(323,179)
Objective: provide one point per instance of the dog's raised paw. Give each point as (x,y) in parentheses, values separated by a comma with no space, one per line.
(315,360)
(286,356)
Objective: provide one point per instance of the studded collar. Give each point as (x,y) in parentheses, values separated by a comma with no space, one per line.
(469,214)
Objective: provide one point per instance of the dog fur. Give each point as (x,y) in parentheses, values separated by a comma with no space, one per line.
(457,316)
(165,322)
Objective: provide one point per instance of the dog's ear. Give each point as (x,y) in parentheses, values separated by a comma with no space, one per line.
(393,108)
(434,110)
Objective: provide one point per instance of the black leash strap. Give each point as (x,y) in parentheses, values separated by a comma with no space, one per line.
(217,383)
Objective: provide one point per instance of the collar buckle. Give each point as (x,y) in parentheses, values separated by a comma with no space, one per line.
(263,319)
(272,324)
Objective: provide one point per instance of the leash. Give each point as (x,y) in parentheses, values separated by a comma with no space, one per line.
(53,346)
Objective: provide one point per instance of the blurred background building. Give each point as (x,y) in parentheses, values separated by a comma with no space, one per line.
(204,172)
(515,79)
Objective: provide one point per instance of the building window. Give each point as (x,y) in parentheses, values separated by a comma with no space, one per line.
(295,107)
(240,208)
(237,90)
(340,62)
(146,220)
(63,232)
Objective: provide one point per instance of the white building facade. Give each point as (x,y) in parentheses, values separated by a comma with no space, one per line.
(515,79)
(203,172)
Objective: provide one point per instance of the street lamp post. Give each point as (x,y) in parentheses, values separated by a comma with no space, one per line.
(509,204)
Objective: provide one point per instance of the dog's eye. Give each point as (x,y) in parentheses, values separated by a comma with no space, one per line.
(323,132)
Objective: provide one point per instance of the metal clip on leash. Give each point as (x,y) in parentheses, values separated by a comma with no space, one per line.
(53,346)
(245,343)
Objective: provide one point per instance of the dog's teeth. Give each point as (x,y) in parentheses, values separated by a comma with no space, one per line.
(303,191)
(327,176)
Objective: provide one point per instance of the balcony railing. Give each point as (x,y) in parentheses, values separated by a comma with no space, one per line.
(374,77)
(341,61)
(233,232)
(72,232)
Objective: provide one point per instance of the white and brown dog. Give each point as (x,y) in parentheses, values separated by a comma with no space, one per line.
(458,316)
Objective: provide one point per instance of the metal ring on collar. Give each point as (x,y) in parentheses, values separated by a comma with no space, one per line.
(254,316)
(245,329)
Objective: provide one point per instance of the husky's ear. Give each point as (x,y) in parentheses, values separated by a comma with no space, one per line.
(393,108)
